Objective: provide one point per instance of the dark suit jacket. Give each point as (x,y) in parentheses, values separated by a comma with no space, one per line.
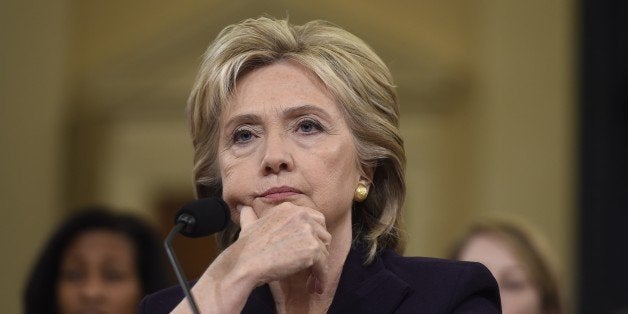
(391,284)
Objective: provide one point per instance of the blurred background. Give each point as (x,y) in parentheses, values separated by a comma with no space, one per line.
(93,97)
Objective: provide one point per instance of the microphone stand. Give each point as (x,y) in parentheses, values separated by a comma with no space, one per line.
(182,222)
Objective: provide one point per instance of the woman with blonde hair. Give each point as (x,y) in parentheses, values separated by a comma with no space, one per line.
(518,260)
(297,129)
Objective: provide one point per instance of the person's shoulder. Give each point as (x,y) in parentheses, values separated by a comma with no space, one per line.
(455,284)
(163,301)
(426,268)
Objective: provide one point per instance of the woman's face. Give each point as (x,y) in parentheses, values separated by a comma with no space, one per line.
(283,138)
(98,275)
(518,293)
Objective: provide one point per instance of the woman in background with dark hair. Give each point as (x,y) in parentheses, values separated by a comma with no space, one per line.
(97,261)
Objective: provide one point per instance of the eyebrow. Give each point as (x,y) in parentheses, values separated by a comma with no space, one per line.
(251,118)
(241,119)
(514,268)
(305,108)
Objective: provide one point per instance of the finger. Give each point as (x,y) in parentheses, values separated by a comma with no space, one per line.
(318,217)
(314,285)
(322,234)
(311,283)
(319,287)
(316,282)
(314,214)
(247,216)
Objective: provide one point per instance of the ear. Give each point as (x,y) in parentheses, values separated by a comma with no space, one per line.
(367,175)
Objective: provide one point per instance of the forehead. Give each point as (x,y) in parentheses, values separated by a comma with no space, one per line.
(281,83)
(95,244)
(491,251)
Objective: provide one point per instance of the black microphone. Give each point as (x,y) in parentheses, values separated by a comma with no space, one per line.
(203,217)
(195,219)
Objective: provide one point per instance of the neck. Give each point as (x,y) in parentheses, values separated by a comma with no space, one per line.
(291,294)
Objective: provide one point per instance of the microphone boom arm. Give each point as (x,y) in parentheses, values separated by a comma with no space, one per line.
(177,267)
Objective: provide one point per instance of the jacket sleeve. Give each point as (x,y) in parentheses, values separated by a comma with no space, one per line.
(162,301)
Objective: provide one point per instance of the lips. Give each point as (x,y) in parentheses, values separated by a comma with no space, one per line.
(92,311)
(280,192)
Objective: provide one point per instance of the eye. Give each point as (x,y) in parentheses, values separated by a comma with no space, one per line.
(242,135)
(113,275)
(513,284)
(513,287)
(72,275)
(309,126)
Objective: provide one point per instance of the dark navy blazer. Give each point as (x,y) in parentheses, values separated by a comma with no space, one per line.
(391,284)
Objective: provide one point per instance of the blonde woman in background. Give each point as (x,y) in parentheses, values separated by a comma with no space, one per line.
(519,262)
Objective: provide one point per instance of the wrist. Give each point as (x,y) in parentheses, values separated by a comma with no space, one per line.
(225,286)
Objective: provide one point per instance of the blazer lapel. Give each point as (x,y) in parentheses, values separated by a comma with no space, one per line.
(362,289)
(367,289)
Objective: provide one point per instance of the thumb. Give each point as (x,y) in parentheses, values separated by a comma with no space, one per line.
(247,216)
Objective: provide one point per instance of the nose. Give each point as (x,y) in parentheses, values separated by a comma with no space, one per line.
(277,156)
(93,289)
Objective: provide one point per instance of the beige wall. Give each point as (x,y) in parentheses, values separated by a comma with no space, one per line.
(526,120)
(33,109)
(93,94)
(509,149)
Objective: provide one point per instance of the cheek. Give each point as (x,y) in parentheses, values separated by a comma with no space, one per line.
(335,173)
(339,166)
(236,178)
(67,296)
(126,296)
(523,301)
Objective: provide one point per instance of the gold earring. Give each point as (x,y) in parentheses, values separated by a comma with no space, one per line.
(361,192)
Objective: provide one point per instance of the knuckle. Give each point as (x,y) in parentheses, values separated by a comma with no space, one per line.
(320,216)
(307,228)
(312,246)
(302,214)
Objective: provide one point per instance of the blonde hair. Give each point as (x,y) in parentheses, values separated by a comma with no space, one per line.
(355,76)
(528,248)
